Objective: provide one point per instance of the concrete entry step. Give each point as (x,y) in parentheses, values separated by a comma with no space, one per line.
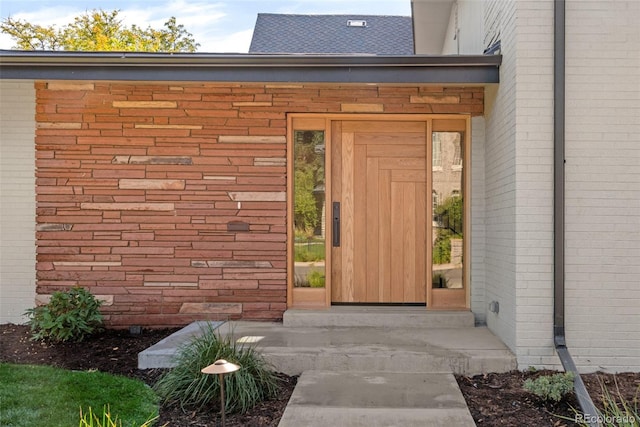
(377,316)
(325,398)
(161,354)
(294,350)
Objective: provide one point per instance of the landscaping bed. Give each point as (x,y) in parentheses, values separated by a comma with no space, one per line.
(116,352)
(493,399)
(498,399)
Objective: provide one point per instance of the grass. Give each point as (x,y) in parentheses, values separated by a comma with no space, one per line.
(46,396)
(309,251)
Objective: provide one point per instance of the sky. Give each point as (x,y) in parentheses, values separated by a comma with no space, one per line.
(220,26)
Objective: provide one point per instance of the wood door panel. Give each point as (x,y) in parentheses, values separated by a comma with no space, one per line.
(390,139)
(385,253)
(383,197)
(399,175)
(382,126)
(401,163)
(410,151)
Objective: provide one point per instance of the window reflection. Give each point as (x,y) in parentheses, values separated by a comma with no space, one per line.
(448,210)
(309,209)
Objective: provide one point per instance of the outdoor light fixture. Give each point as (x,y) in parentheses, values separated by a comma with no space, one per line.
(221,367)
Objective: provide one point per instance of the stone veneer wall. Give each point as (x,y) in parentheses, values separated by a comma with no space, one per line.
(168,200)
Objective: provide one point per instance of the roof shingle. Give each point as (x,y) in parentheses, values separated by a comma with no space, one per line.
(330,34)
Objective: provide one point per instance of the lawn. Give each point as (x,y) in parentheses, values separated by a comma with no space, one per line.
(309,251)
(46,396)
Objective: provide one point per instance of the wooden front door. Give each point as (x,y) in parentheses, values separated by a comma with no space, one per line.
(379,179)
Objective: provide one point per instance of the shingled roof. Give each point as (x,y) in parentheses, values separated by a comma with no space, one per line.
(332,34)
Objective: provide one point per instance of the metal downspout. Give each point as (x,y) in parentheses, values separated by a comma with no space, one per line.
(586,404)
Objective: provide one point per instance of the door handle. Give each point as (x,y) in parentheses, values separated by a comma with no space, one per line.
(336,224)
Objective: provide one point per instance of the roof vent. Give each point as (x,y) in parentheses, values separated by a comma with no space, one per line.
(356,23)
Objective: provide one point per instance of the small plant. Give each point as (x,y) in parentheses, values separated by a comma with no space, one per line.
(69,316)
(316,279)
(551,387)
(90,419)
(187,386)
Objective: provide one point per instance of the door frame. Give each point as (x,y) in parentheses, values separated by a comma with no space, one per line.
(319,298)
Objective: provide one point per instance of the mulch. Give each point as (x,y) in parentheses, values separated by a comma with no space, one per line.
(498,399)
(493,399)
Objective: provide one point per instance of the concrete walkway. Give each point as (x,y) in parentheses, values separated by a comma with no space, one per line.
(324,398)
(394,367)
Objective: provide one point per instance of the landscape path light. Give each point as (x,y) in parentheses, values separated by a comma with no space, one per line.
(221,367)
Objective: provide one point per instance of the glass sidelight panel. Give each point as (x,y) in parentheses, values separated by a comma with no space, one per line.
(309,208)
(448,211)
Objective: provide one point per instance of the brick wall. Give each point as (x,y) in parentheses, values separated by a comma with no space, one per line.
(500,178)
(602,181)
(603,184)
(17,210)
(519,180)
(169,200)
(534,184)
(478,225)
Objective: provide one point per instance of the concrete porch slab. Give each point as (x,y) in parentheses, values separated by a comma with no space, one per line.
(295,350)
(323,398)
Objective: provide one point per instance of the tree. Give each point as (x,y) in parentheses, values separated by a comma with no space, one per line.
(99,30)
(308,177)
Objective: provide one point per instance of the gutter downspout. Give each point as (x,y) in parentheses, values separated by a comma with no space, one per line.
(559,95)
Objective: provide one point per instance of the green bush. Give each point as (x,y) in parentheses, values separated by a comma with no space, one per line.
(551,387)
(90,419)
(442,247)
(191,389)
(316,279)
(69,316)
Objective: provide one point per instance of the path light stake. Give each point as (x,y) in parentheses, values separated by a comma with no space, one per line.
(221,367)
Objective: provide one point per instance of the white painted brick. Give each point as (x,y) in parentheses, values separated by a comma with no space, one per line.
(478,225)
(17,207)
(602,186)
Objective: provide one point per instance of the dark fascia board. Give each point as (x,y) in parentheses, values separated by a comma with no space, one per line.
(458,69)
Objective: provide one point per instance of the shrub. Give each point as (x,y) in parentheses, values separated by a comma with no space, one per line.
(551,387)
(442,247)
(316,279)
(69,316)
(187,386)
